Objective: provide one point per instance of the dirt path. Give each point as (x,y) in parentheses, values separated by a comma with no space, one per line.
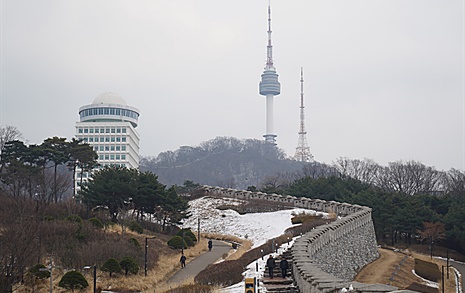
(381,269)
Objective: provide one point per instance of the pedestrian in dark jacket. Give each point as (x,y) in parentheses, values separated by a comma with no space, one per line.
(284,265)
(210,245)
(183,261)
(270,263)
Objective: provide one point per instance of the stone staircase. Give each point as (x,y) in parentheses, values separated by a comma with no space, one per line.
(279,284)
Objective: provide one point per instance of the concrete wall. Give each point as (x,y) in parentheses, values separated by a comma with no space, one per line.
(327,258)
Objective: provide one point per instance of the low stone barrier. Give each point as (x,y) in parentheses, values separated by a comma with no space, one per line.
(327,258)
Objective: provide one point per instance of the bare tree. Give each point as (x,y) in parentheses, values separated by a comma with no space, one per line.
(410,177)
(454,183)
(316,170)
(365,170)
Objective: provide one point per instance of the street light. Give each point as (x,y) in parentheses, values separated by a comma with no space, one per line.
(146,247)
(95,276)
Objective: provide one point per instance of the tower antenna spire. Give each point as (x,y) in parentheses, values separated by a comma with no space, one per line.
(302,151)
(269,47)
(269,85)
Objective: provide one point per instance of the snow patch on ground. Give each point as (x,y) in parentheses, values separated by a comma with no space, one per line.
(257,227)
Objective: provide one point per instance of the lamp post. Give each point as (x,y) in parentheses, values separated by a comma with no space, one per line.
(146,253)
(95,276)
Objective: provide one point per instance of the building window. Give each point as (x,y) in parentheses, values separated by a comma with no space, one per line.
(85,139)
(113,130)
(91,130)
(95,148)
(91,139)
(112,139)
(118,130)
(79,130)
(118,148)
(107,157)
(107,139)
(112,148)
(96,130)
(123,130)
(107,130)
(100,111)
(118,139)
(102,139)
(86,130)
(123,139)
(112,157)
(100,157)
(123,147)
(101,148)
(102,130)
(118,157)
(123,157)
(107,148)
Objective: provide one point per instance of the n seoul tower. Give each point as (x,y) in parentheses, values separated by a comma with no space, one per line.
(269,86)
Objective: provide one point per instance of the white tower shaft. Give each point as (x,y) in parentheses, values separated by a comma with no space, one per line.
(269,113)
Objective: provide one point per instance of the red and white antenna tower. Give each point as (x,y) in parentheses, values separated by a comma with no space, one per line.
(302,151)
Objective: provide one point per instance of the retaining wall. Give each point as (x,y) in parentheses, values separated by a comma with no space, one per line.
(327,258)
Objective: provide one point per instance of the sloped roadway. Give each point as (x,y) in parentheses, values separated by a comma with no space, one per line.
(199,263)
(460,266)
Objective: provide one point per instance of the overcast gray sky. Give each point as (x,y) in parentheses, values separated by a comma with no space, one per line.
(384,79)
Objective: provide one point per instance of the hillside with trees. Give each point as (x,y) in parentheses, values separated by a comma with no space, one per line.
(223,161)
(40,221)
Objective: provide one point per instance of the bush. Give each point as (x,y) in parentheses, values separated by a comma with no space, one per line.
(176,242)
(187,232)
(134,242)
(136,227)
(75,218)
(188,241)
(96,223)
(36,272)
(304,218)
(48,218)
(73,280)
(111,265)
(129,265)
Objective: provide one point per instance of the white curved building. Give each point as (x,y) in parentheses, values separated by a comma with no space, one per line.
(109,126)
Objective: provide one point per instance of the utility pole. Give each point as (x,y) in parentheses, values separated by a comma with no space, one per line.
(198,230)
(146,253)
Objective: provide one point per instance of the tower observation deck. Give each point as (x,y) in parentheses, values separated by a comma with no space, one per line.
(269,85)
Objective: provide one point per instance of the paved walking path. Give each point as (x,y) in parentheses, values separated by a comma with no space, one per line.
(201,262)
(461,267)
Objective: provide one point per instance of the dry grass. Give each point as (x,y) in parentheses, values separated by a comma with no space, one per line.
(381,270)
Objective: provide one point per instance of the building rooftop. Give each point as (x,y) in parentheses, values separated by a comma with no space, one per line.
(109,98)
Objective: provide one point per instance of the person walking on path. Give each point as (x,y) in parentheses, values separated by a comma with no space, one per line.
(270,263)
(284,265)
(210,245)
(183,261)
(200,262)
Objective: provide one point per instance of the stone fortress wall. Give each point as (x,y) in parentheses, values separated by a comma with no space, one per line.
(327,258)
